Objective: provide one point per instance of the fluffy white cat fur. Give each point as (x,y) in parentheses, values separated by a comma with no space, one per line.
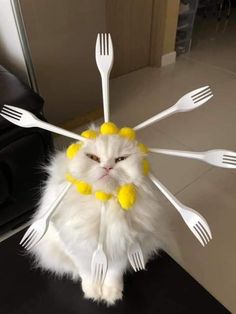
(68,245)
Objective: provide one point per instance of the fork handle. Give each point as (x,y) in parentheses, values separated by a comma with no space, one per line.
(101,227)
(52,207)
(177,153)
(105,95)
(171,198)
(168,112)
(49,127)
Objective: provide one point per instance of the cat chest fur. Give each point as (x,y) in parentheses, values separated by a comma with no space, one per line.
(77,221)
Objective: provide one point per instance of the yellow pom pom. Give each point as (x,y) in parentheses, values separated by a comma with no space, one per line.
(73,149)
(143,148)
(146,166)
(108,128)
(83,187)
(102,196)
(128,132)
(91,134)
(127,196)
(70,178)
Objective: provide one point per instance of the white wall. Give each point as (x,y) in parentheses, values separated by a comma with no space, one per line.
(11,55)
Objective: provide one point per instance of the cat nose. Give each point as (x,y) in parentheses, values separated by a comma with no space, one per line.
(107,168)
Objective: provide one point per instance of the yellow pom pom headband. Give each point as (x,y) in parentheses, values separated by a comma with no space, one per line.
(107,128)
(110,128)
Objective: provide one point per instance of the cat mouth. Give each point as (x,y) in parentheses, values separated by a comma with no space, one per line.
(104,176)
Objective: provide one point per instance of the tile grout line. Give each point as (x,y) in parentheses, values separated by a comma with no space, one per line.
(210,65)
(196,179)
(166,133)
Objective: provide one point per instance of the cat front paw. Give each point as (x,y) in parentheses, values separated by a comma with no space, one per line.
(91,290)
(112,292)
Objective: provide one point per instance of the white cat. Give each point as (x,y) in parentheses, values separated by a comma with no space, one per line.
(107,162)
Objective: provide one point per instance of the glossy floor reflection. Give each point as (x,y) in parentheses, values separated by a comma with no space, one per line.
(164,289)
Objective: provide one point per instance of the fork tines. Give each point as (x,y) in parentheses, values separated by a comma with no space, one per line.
(205,236)
(99,273)
(11,113)
(104,44)
(28,239)
(229,159)
(137,262)
(202,94)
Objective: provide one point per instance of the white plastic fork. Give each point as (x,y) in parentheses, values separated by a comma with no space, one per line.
(216,157)
(196,222)
(26,119)
(104,59)
(38,229)
(99,259)
(188,102)
(135,256)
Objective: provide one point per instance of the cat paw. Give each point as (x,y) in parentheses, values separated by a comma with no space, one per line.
(91,291)
(112,292)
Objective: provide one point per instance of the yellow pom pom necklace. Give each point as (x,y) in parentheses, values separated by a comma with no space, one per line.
(126,194)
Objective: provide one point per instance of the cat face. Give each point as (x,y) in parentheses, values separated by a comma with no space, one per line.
(108,161)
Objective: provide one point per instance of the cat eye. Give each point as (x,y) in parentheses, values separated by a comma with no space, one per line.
(120,158)
(93,157)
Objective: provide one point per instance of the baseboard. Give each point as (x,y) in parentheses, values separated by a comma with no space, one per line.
(168,58)
(84,119)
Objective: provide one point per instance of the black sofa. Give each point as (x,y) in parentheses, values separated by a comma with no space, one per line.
(23,151)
